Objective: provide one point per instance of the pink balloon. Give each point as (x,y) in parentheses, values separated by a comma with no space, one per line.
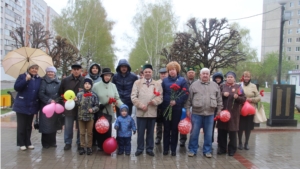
(48,110)
(59,108)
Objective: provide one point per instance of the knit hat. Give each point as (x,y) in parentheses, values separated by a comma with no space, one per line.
(31,65)
(147,66)
(89,80)
(51,69)
(231,73)
(124,107)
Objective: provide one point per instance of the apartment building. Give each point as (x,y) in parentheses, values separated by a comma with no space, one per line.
(21,13)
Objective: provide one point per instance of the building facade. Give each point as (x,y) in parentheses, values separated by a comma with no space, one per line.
(21,13)
(271,30)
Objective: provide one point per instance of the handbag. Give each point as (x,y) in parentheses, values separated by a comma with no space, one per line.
(260,115)
(36,124)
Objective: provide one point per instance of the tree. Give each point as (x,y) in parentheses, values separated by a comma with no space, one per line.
(84,24)
(209,43)
(63,54)
(37,35)
(155,24)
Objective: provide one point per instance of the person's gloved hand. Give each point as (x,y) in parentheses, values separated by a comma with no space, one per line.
(134,132)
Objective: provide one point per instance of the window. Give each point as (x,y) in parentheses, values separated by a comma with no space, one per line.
(291,4)
(297,66)
(289,40)
(298,30)
(297,49)
(290,22)
(298,12)
(290,31)
(289,58)
(299,21)
(297,58)
(297,39)
(288,49)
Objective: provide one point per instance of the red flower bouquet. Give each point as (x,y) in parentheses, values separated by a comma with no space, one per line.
(112,100)
(176,92)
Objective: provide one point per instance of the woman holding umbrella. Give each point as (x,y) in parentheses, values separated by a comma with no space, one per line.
(26,104)
(48,93)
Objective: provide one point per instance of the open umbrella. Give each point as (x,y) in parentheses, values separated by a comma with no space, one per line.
(16,62)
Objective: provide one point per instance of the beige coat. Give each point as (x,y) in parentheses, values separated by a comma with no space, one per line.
(142,94)
(251,92)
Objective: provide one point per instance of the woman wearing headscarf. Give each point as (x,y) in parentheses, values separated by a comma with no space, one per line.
(26,104)
(48,93)
(233,99)
(246,122)
(171,126)
(218,78)
(106,90)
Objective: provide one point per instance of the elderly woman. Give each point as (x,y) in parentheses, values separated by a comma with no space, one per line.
(26,104)
(106,90)
(246,122)
(171,126)
(48,93)
(233,98)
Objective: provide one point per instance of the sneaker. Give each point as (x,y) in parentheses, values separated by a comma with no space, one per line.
(31,147)
(127,153)
(67,147)
(23,148)
(191,154)
(208,155)
(89,151)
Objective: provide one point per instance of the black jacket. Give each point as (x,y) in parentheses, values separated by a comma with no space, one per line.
(71,83)
(124,83)
(48,91)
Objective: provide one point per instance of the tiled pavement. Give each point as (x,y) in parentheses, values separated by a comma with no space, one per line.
(268,149)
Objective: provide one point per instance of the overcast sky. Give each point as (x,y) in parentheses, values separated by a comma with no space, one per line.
(122,12)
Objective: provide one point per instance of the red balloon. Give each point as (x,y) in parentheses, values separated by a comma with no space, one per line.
(185,126)
(102,125)
(247,109)
(225,116)
(110,145)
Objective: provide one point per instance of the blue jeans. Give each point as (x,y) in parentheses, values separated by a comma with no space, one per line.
(198,122)
(69,124)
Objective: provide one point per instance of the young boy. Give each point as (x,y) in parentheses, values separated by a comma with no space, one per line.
(87,102)
(124,126)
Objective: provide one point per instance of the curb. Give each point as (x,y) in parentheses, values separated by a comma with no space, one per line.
(7,114)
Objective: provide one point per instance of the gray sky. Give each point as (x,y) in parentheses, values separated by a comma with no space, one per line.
(122,12)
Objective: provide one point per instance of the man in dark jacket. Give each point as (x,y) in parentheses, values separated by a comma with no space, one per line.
(124,80)
(190,79)
(73,82)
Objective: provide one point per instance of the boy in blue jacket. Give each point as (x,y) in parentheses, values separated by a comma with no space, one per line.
(124,126)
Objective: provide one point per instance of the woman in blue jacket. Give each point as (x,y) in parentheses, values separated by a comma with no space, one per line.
(26,104)
(171,126)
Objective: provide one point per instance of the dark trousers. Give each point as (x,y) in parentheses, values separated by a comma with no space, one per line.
(48,139)
(232,144)
(24,128)
(129,111)
(95,132)
(142,125)
(213,132)
(171,130)
(159,124)
(183,138)
(124,144)
(102,137)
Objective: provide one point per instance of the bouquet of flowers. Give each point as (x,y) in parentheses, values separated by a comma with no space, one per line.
(176,92)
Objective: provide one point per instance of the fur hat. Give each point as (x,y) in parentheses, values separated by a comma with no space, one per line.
(51,69)
(172,65)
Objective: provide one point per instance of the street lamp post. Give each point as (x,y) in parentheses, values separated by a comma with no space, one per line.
(280,41)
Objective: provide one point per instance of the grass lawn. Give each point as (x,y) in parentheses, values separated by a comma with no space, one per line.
(4,91)
(265,89)
(267,111)
(6,110)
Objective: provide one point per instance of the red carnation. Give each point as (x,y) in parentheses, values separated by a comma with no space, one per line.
(262,93)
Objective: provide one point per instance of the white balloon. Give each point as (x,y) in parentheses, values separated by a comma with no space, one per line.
(70,104)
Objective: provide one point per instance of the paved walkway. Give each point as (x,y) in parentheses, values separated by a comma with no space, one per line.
(268,149)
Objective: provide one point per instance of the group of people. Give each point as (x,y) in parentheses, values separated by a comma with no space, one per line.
(203,99)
